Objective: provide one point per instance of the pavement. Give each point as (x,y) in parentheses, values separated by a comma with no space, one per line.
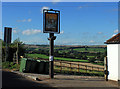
(29,80)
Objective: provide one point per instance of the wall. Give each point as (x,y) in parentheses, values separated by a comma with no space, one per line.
(112,54)
(118,61)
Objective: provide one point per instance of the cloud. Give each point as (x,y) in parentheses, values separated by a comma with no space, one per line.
(61,32)
(80,7)
(104,36)
(55,1)
(91,41)
(14,31)
(44,8)
(116,31)
(29,20)
(100,32)
(31,32)
(25,20)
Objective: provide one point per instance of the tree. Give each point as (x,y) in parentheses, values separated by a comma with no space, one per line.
(17,47)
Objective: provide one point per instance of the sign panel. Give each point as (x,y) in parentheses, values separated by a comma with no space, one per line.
(51,58)
(7,34)
(51,22)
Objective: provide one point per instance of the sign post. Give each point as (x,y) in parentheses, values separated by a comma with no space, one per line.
(7,40)
(51,25)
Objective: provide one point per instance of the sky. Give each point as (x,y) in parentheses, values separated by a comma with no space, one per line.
(81,23)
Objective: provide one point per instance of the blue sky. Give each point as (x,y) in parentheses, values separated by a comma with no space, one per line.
(88,23)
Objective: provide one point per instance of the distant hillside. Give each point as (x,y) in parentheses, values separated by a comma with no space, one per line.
(74,46)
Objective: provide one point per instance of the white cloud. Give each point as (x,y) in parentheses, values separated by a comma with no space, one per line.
(100,32)
(44,8)
(14,28)
(14,31)
(80,7)
(25,20)
(116,31)
(29,20)
(61,32)
(91,41)
(55,1)
(31,32)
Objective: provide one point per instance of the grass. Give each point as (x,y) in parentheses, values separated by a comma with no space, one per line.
(90,56)
(75,71)
(99,64)
(90,50)
(56,58)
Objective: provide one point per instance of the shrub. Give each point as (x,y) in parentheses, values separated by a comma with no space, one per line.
(10,65)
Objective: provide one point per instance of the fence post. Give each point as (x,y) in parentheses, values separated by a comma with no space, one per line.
(78,68)
(92,69)
(98,68)
(86,68)
(60,66)
(70,67)
(106,68)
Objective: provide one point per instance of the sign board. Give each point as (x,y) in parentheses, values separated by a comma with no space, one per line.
(51,22)
(7,34)
(51,58)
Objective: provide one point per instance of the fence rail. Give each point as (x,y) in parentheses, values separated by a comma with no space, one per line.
(66,66)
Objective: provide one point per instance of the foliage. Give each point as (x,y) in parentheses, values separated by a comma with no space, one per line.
(92,60)
(10,65)
(13,47)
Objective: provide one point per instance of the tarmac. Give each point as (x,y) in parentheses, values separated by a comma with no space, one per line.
(18,79)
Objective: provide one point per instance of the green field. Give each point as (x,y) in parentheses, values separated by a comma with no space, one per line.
(90,49)
(56,58)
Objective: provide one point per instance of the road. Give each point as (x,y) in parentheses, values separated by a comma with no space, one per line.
(10,79)
(13,80)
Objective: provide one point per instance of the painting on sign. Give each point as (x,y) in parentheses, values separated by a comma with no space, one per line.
(51,22)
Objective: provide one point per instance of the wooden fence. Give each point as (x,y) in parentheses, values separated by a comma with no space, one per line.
(76,67)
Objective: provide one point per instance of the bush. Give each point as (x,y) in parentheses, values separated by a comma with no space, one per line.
(10,65)
(92,60)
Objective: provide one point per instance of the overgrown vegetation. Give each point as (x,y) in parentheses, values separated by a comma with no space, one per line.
(13,47)
(10,65)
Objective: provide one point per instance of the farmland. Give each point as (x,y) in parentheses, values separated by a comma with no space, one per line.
(92,54)
(56,58)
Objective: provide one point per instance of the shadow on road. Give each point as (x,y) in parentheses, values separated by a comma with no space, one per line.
(13,80)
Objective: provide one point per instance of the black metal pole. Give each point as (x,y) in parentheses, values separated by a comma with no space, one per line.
(51,56)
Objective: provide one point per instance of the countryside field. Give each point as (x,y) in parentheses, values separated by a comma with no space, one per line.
(92,54)
(55,58)
(74,59)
